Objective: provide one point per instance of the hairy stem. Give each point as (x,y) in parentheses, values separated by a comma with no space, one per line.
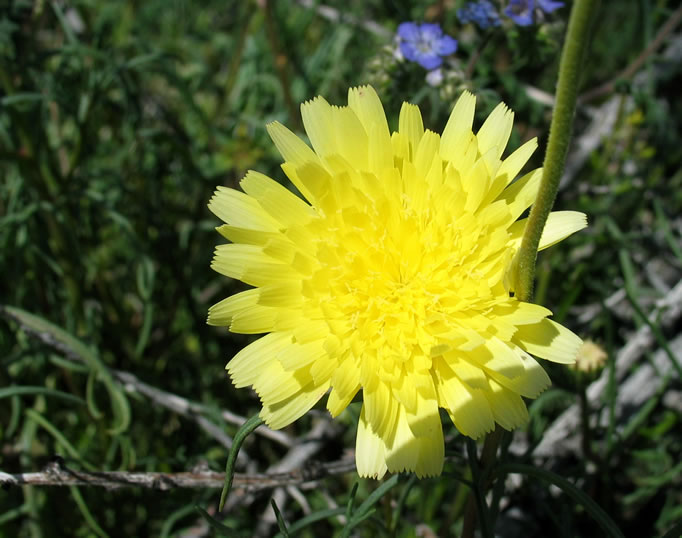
(572,56)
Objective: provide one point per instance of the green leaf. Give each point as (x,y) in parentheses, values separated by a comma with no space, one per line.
(27,389)
(59,437)
(22,98)
(313,518)
(220,528)
(366,509)
(85,511)
(280,520)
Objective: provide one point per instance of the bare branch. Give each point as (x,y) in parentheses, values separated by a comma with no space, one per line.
(57,474)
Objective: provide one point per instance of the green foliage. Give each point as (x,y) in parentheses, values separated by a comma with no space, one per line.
(117,122)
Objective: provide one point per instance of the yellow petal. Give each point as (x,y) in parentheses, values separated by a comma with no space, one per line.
(425,421)
(467,407)
(472,375)
(405,392)
(508,408)
(510,168)
(380,408)
(529,384)
(475,184)
(337,401)
(410,125)
(559,225)
(284,294)
(522,193)
(519,313)
(285,412)
(367,106)
(346,378)
(277,200)
(401,147)
(247,365)
(317,181)
(291,147)
(249,264)
(370,451)
(239,209)
(495,131)
(275,384)
(255,320)
(407,452)
(425,152)
(351,138)
(458,128)
(222,313)
(318,123)
(548,340)
(297,356)
(247,235)
(497,355)
(323,368)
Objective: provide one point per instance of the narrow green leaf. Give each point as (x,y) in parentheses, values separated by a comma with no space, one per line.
(351,500)
(59,437)
(85,511)
(280,520)
(365,510)
(21,98)
(174,518)
(28,389)
(220,528)
(313,518)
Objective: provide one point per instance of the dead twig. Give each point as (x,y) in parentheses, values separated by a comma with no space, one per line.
(57,474)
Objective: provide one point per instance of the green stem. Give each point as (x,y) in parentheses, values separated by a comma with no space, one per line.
(570,67)
(480,476)
(243,432)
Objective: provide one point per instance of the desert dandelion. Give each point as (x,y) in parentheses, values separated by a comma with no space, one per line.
(392,276)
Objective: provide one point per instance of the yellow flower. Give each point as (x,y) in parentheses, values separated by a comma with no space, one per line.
(394,278)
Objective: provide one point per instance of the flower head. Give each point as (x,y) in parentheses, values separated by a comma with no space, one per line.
(392,276)
(425,44)
(521,11)
(591,357)
(482,13)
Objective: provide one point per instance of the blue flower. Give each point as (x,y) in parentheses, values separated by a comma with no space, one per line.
(482,13)
(425,44)
(521,11)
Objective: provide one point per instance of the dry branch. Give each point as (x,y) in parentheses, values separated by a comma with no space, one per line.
(57,474)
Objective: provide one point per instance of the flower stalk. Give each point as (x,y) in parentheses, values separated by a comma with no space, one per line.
(572,56)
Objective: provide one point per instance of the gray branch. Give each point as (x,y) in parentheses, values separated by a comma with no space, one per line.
(57,474)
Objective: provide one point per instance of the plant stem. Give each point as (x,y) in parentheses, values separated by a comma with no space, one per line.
(572,56)
(488,454)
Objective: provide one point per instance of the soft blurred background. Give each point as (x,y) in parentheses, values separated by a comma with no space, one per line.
(117,121)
